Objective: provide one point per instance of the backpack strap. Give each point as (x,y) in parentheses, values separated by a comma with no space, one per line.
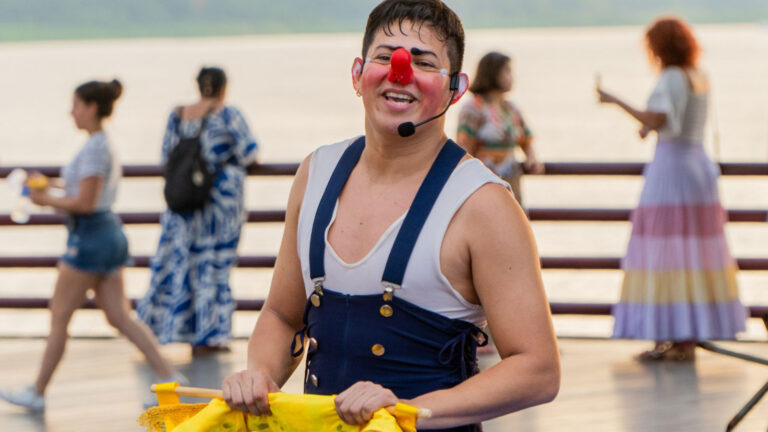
(204,121)
(180,112)
(219,167)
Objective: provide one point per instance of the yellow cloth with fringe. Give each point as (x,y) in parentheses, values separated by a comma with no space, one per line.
(290,413)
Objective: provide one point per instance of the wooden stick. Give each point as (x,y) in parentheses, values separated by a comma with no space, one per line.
(195,392)
(213,393)
(420,412)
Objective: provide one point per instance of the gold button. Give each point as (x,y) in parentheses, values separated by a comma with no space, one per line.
(386,311)
(388,294)
(314,380)
(378,350)
(315,299)
(313,343)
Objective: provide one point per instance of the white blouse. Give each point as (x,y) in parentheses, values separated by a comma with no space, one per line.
(686,110)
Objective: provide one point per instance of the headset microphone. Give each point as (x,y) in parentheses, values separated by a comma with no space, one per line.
(408,128)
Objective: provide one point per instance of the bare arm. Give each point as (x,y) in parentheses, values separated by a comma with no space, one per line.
(507,279)
(532,164)
(269,345)
(526,144)
(648,119)
(88,194)
(270,362)
(466,142)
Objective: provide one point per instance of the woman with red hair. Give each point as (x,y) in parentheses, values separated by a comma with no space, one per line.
(680,279)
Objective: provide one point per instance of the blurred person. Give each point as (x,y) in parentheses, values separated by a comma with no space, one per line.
(189,298)
(97,249)
(491,126)
(398,248)
(679,277)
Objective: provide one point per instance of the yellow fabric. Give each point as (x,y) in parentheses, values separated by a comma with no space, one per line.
(406,416)
(290,413)
(157,418)
(680,286)
(215,417)
(166,393)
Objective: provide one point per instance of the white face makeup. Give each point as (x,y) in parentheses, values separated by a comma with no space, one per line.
(443,71)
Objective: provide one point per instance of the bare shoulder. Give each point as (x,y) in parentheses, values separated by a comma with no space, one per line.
(299,184)
(491,207)
(699,80)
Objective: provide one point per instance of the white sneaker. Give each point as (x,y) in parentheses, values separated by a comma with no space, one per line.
(26,397)
(150,400)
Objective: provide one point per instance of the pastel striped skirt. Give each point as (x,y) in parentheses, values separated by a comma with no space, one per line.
(679,276)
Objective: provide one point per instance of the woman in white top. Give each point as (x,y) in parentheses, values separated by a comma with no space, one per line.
(680,279)
(96,250)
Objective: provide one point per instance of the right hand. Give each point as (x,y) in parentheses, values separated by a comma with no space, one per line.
(247,391)
(533,166)
(38,188)
(605,97)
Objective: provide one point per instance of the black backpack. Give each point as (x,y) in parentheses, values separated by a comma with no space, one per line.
(188,180)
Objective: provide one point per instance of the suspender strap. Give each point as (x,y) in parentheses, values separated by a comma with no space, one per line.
(328,203)
(417,215)
(430,189)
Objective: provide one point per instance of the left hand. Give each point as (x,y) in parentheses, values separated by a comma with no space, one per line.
(357,404)
(533,166)
(39,196)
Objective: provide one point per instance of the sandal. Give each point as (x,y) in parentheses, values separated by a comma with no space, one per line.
(649,356)
(658,353)
(203,350)
(667,351)
(680,353)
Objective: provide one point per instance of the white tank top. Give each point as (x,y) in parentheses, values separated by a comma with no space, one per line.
(424,283)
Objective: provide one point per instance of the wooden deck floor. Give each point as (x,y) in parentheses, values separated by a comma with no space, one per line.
(100,383)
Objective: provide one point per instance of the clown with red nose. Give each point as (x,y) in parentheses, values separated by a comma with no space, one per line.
(398,249)
(408,78)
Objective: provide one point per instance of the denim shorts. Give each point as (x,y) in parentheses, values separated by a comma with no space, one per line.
(96,243)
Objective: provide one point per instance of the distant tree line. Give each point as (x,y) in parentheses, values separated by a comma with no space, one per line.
(64,19)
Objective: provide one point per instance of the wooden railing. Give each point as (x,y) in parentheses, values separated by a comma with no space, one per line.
(535,214)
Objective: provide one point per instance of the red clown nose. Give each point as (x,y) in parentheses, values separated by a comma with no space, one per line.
(400,67)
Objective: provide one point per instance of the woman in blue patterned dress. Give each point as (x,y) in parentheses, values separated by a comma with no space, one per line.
(189,298)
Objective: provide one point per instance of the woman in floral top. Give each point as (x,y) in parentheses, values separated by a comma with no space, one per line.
(490,126)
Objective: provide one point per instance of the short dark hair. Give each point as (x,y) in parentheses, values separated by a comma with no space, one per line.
(103,93)
(434,13)
(211,81)
(487,76)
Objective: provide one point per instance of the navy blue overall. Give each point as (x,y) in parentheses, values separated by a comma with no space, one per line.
(380,337)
